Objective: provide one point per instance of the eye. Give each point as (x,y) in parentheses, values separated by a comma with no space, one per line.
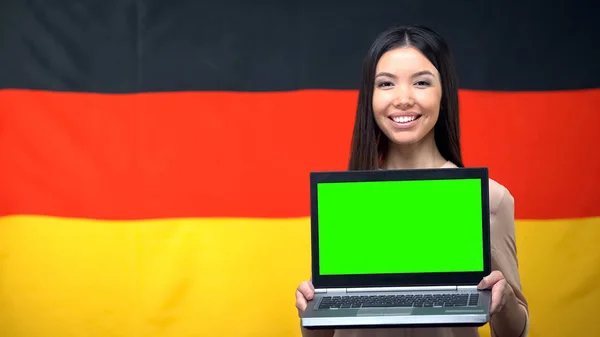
(384,84)
(423,83)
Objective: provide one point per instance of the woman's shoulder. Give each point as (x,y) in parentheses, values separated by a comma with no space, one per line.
(502,223)
(500,197)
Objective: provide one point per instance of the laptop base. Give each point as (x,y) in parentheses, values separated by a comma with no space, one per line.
(387,322)
(473,315)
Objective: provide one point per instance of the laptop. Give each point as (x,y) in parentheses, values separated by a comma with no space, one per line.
(399,248)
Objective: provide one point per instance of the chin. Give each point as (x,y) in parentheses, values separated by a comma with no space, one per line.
(405,140)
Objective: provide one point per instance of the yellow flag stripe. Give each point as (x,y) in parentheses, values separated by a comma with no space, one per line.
(231,277)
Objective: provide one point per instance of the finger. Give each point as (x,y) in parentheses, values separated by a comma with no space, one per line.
(498,299)
(307,289)
(301,302)
(489,281)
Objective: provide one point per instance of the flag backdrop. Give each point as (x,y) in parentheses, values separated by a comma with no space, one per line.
(154,155)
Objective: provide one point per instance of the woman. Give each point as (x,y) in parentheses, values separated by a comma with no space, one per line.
(407,117)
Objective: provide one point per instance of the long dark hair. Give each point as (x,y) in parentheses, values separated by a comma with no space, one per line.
(369,145)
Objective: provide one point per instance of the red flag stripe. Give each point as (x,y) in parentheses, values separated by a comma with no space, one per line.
(225,154)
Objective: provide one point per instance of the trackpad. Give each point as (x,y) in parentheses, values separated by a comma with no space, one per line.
(384,311)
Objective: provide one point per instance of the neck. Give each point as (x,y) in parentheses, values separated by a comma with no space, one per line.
(423,154)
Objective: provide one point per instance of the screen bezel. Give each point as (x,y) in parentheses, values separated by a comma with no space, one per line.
(395,280)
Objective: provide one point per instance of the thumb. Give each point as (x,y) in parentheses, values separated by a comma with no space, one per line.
(307,290)
(483,284)
(490,280)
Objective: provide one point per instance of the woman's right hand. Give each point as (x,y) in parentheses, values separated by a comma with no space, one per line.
(304,293)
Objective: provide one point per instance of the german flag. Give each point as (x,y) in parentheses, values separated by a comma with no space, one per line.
(154,155)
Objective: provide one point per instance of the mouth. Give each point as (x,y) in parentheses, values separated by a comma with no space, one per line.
(404,119)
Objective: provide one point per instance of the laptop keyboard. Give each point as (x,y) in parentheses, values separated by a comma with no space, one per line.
(404,301)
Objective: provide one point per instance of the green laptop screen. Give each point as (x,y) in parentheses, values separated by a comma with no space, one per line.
(387,227)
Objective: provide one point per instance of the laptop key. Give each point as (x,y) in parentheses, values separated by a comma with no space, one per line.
(473,300)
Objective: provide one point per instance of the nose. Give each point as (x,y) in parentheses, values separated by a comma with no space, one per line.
(403,99)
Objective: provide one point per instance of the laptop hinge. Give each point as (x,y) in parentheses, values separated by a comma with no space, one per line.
(398,289)
(331,291)
(470,288)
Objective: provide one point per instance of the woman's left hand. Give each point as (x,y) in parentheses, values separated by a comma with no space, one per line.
(501,290)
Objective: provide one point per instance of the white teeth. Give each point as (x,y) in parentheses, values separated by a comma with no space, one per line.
(404,119)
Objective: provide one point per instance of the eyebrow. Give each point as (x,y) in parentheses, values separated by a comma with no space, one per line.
(420,73)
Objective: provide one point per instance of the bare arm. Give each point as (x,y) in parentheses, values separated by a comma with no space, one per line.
(512,320)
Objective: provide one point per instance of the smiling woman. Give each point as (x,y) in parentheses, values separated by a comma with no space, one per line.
(407,118)
(409,88)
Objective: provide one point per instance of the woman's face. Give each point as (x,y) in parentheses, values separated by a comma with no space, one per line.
(406,95)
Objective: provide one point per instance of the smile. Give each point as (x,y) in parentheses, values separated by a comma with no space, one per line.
(405,119)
